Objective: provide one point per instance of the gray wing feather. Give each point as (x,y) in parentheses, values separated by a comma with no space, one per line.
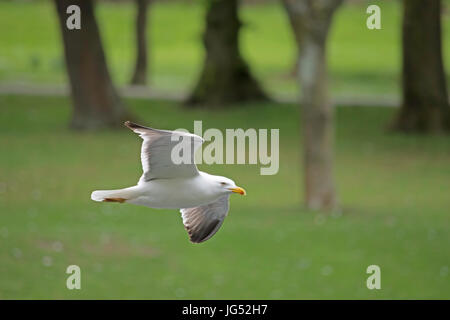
(156,153)
(203,222)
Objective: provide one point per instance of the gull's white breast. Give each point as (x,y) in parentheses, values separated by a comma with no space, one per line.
(175,193)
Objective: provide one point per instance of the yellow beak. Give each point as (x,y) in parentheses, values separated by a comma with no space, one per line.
(238,190)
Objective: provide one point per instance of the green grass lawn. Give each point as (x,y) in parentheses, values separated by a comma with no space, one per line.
(394,193)
(362,61)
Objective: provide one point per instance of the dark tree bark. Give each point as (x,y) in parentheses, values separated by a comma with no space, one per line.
(297,30)
(315,17)
(96,103)
(425,107)
(140,69)
(226,77)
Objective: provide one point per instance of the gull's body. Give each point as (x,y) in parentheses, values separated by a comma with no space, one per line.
(201,197)
(191,192)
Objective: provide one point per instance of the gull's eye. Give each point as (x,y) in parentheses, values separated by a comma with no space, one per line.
(223,183)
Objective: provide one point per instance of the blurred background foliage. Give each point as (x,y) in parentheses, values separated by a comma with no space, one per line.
(362,62)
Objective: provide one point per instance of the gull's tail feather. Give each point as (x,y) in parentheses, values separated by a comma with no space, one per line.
(119,195)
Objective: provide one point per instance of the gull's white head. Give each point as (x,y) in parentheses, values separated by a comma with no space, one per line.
(226,186)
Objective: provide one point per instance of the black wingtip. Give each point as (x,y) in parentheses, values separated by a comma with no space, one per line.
(132,125)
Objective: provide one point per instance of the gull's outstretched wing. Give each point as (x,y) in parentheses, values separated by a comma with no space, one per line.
(203,222)
(157,149)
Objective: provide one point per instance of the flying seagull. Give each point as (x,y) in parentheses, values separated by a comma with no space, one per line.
(202,197)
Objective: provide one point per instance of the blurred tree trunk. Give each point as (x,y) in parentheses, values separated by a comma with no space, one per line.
(226,77)
(297,29)
(140,69)
(95,99)
(425,106)
(315,17)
